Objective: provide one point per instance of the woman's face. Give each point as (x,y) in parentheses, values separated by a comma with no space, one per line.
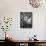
(25,18)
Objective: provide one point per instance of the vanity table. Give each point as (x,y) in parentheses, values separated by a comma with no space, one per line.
(22,43)
(31,43)
(27,43)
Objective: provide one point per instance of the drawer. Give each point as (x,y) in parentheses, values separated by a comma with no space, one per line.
(42,44)
(21,44)
(25,44)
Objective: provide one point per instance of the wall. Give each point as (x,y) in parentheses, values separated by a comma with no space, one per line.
(12,8)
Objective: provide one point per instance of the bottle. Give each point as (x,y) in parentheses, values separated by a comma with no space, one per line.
(34,38)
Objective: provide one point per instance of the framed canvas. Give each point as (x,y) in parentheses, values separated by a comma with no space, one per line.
(25,19)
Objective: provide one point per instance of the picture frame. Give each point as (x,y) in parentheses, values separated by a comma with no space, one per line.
(25,19)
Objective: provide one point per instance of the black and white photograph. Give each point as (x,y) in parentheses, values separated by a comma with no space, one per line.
(25,19)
